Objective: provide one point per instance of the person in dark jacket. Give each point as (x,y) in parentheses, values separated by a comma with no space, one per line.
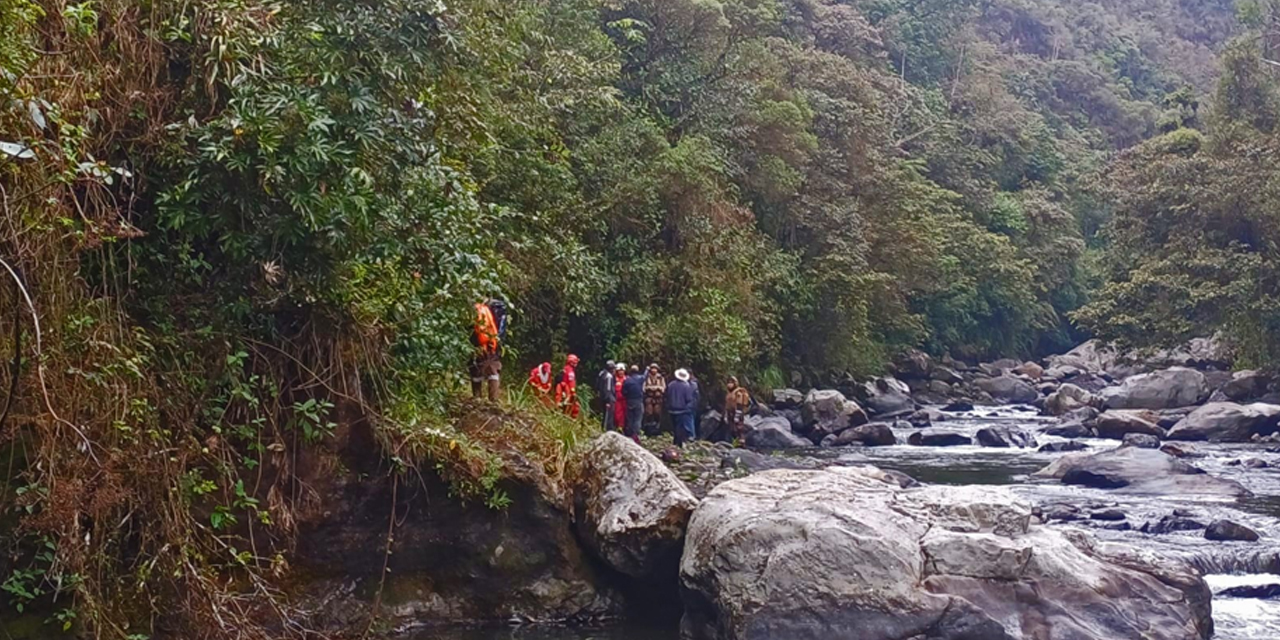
(604,392)
(633,394)
(682,404)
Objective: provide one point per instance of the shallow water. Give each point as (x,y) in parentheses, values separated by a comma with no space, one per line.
(1224,563)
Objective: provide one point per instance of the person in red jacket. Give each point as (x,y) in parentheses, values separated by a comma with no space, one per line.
(620,401)
(540,381)
(567,387)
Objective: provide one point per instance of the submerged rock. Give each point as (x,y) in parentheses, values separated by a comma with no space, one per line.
(1060,447)
(845,553)
(1170,524)
(1141,441)
(1140,471)
(1227,422)
(1167,389)
(1259,591)
(630,510)
(772,433)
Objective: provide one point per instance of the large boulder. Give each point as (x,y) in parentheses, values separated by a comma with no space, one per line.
(1245,385)
(1118,424)
(888,397)
(1068,398)
(945,375)
(848,553)
(827,411)
(772,433)
(630,510)
(1008,389)
(876,434)
(1030,370)
(1139,471)
(1221,530)
(1166,389)
(1227,422)
(914,364)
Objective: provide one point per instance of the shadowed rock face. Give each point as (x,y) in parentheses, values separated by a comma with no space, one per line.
(630,509)
(846,553)
(1137,470)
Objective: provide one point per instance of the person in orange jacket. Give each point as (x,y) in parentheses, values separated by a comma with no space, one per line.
(541,382)
(486,364)
(567,387)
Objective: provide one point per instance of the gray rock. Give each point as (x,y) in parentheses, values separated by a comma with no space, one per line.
(888,397)
(1093,356)
(630,509)
(1227,422)
(938,438)
(787,399)
(827,411)
(1084,414)
(1222,530)
(959,406)
(1245,385)
(1166,389)
(1008,389)
(847,553)
(1069,430)
(1139,471)
(1068,398)
(1109,515)
(1004,437)
(914,364)
(875,434)
(926,417)
(755,462)
(1117,424)
(946,375)
(772,433)
(1171,524)
(1141,441)
(1261,591)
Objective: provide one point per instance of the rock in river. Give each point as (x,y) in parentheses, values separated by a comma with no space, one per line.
(827,411)
(1140,471)
(1118,424)
(1008,389)
(876,434)
(1005,437)
(938,438)
(630,509)
(844,553)
(1227,422)
(888,397)
(1167,389)
(1228,530)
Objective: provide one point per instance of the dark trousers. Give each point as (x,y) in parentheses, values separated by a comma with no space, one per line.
(682,424)
(635,415)
(608,416)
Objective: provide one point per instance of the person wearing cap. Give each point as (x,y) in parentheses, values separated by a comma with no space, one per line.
(633,395)
(655,385)
(604,391)
(682,404)
(567,387)
(619,400)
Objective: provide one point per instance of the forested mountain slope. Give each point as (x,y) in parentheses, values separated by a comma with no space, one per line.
(234,224)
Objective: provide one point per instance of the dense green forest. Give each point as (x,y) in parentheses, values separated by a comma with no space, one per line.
(231,224)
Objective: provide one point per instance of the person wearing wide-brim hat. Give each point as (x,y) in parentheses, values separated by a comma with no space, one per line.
(682,404)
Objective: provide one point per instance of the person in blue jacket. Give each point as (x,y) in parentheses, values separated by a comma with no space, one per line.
(633,394)
(682,404)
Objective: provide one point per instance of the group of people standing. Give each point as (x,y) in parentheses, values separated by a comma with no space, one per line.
(630,400)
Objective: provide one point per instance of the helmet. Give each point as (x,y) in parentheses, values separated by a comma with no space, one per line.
(572,360)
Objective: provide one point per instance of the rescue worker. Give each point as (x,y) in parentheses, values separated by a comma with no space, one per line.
(736,403)
(655,385)
(682,403)
(604,391)
(620,401)
(633,395)
(567,387)
(486,364)
(541,381)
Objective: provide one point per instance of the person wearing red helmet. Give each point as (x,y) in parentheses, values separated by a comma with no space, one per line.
(567,387)
(540,380)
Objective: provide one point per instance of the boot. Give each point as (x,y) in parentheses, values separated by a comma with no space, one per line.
(495,388)
(477,387)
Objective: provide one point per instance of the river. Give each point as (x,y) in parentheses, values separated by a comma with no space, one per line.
(1225,564)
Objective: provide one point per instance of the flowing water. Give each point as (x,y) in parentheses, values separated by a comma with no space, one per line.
(1225,564)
